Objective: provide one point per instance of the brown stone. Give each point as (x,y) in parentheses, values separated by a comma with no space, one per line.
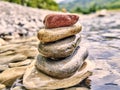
(8,76)
(12,58)
(60,20)
(51,35)
(77,88)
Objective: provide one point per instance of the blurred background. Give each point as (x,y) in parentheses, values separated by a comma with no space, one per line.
(76,6)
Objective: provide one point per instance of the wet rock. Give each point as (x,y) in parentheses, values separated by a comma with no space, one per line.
(62,68)
(60,20)
(12,58)
(3,67)
(8,76)
(59,49)
(50,35)
(22,63)
(36,80)
(24,40)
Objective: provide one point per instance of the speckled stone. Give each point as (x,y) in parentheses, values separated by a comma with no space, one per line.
(59,49)
(60,20)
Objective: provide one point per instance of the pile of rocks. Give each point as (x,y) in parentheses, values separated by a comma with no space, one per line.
(61,62)
(15,56)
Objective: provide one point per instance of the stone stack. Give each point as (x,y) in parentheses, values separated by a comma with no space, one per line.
(60,56)
(58,44)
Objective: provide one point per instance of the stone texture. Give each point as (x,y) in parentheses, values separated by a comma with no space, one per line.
(8,76)
(36,80)
(50,35)
(60,20)
(62,68)
(22,63)
(15,23)
(12,58)
(3,67)
(29,52)
(59,49)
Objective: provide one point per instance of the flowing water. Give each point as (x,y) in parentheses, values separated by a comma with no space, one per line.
(102,37)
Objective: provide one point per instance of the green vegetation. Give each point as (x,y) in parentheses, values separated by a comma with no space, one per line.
(44,4)
(88,6)
(76,6)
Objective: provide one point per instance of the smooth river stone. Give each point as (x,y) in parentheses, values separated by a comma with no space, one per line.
(59,49)
(21,63)
(36,80)
(65,67)
(12,58)
(8,76)
(51,35)
(60,20)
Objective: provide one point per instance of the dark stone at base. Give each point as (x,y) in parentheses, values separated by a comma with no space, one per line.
(63,68)
(59,49)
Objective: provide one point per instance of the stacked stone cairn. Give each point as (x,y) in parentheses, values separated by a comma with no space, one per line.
(60,55)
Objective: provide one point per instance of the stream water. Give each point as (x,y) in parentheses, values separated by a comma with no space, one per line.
(102,37)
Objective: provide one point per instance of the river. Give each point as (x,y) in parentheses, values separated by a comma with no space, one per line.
(101,35)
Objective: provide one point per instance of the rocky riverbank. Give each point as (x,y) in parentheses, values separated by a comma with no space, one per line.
(18,44)
(18,21)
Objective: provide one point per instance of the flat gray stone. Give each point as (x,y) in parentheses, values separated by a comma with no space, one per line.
(36,80)
(59,49)
(62,68)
